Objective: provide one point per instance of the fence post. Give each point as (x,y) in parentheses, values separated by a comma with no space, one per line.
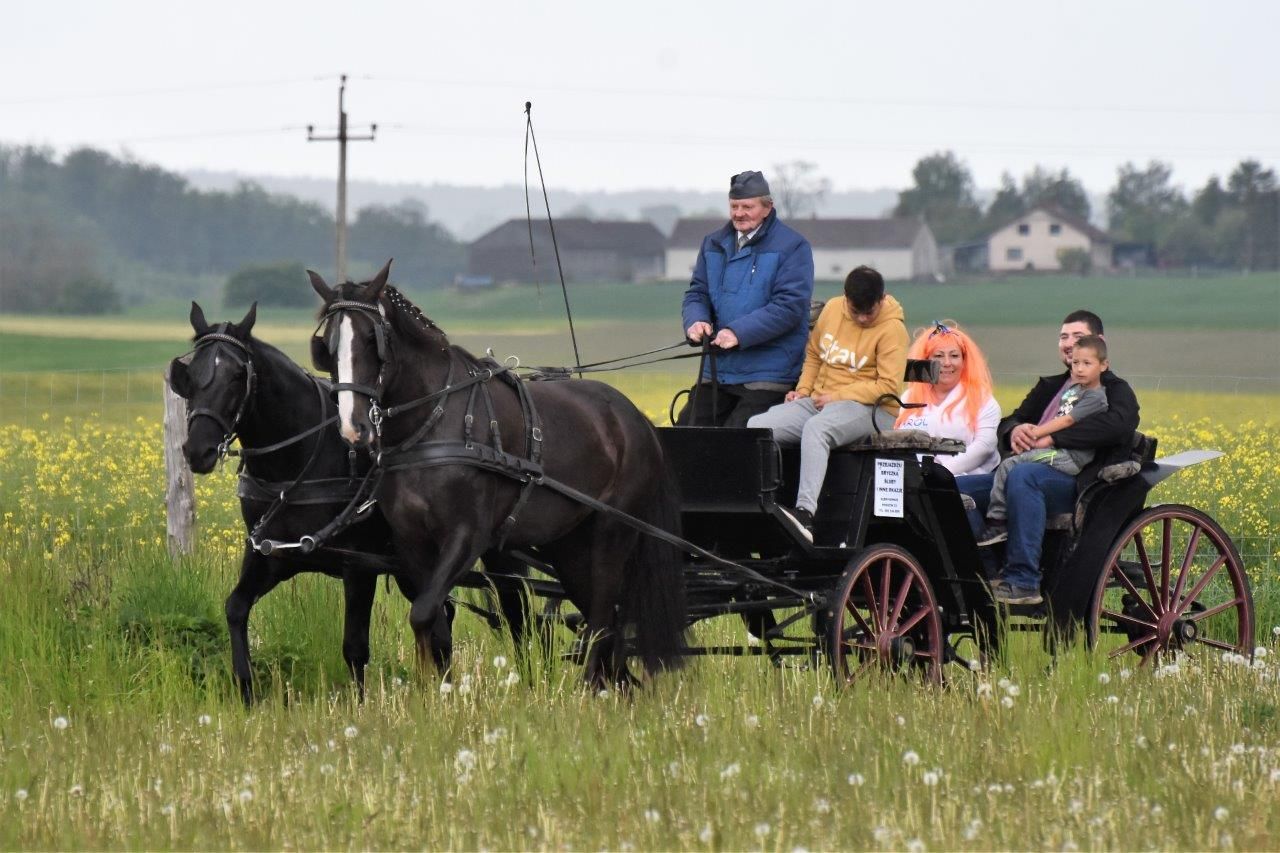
(180,490)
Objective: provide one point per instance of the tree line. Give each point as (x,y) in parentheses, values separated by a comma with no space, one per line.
(1231,224)
(66,224)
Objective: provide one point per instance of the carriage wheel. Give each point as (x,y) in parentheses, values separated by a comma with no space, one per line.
(1171,582)
(882,616)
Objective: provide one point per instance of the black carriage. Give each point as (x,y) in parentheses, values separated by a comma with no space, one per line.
(895,577)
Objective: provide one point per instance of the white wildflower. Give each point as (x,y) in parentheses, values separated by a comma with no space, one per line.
(60,723)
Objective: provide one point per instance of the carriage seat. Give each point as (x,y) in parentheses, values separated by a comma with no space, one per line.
(909,439)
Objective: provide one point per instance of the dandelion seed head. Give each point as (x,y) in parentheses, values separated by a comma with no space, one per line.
(752,721)
(915,845)
(512,679)
(246,796)
(1104,678)
(706,834)
(1006,701)
(499,662)
(445,688)
(204,720)
(1113,699)
(701,721)
(350,732)
(910,758)
(762,829)
(857,779)
(930,778)
(1220,814)
(818,700)
(822,806)
(731,771)
(652,815)
(20,795)
(61,723)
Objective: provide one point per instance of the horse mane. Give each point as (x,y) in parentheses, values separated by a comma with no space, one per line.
(408,319)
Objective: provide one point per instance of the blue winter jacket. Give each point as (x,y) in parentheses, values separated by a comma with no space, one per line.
(761,292)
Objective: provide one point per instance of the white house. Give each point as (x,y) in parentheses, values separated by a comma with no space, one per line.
(899,248)
(1033,241)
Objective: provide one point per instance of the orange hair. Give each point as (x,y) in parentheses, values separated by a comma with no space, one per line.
(975,376)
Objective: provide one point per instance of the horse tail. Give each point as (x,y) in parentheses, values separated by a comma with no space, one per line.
(655,585)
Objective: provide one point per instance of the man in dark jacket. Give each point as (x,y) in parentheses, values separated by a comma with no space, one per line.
(1037,491)
(749,297)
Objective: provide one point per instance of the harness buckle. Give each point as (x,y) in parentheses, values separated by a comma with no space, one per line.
(536,432)
(364,507)
(375,418)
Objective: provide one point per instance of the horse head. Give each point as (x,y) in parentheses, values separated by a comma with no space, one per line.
(353,347)
(217,384)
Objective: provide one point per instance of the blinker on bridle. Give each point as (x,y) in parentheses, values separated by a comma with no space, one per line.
(228,429)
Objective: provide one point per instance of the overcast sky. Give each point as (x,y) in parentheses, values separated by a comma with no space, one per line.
(654,94)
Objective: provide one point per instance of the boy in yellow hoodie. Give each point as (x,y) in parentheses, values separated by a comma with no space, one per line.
(856,352)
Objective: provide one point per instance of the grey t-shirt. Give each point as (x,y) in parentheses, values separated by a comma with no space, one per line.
(1080,403)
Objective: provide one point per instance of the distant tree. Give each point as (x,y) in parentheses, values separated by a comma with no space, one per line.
(1143,205)
(49,259)
(943,194)
(1253,188)
(425,253)
(1059,189)
(282,284)
(797,189)
(1210,201)
(663,216)
(1076,260)
(1007,205)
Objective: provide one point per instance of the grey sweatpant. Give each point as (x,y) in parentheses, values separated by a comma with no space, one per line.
(1059,460)
(817,432)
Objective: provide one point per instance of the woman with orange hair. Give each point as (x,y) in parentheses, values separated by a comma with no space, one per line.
(961,405)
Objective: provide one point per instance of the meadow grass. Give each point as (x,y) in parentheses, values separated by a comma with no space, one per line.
(123,729)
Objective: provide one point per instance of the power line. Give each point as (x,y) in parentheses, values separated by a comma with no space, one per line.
(162,91)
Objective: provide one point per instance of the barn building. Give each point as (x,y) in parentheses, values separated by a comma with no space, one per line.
(590,250)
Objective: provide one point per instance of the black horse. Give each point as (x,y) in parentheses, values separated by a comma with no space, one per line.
(239,385)
(445,511)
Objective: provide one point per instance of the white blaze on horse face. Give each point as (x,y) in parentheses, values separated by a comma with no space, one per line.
(346,373)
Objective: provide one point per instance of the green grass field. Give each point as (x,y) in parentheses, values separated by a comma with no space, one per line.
(121,729)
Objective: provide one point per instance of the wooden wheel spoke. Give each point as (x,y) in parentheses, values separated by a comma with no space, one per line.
(900,601)
(867,666)
(1214,611)
(883,602)
(1128,647)
(1128,584)
(1202,583)
(1192,546)
(1166,537)
(1128,620)
(869,592)
(862,624)
(1217,644)
(914,620)
(1147,574)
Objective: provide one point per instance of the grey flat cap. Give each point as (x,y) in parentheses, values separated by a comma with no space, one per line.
(748,185)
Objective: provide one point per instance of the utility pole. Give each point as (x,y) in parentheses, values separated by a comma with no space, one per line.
(342,139)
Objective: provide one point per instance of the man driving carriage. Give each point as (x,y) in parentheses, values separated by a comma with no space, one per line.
(1035,492)
(749,297)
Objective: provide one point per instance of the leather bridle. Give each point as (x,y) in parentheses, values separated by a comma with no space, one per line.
(228,427)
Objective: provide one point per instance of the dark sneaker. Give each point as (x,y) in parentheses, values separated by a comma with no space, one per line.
(995,531)
(800,520)
(1007,593)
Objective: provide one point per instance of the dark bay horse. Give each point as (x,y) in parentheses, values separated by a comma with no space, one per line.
(239,385)
(448,512)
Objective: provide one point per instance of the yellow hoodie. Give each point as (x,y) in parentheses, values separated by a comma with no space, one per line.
(852,362)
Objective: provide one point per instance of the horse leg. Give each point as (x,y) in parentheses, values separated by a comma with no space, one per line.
(431,614)
(256,580)
(513,602)
(358,589)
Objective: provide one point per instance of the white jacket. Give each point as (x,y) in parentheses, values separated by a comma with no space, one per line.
(981,454)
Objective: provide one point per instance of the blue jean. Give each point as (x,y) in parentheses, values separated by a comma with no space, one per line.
(1033,492)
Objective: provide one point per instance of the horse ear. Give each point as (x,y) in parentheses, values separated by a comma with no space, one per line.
(379,281)
(198,322)
(251,317)
(319,286)
(179,378)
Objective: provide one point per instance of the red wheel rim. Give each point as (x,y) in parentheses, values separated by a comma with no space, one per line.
(1173,582)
